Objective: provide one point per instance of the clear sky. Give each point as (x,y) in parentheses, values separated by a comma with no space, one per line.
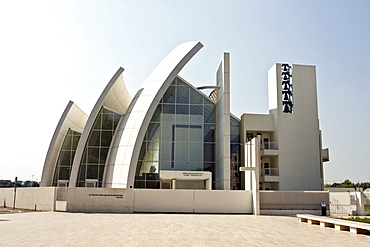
(55,51)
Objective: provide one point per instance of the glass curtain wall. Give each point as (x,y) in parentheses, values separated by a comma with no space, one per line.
(180,136)
(66,155)
(96,149)
(235,161)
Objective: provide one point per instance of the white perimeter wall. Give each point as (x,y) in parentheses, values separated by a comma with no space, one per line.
(193,201)
(147,200)
(293,202)
(41,198)
(100,200)
(116,200)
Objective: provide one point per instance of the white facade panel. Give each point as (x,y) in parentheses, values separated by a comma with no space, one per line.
(72,118)
(141,112)
(108,99)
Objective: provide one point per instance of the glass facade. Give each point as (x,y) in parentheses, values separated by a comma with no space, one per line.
(180,136)
(235,161)
(96,150)
(66,155)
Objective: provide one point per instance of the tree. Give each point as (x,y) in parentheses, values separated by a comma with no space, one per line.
(348,184)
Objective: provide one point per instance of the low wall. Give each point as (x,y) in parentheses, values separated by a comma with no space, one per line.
(39,198)
(129,200)
(100,200)
(340,203)
(293,202)
(223,201)
(176,201)
(163,201)
(192,201)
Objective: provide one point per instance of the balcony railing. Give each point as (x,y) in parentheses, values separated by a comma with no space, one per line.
(269,145)
(270,172)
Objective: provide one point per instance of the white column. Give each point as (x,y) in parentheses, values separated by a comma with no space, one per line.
(173,181)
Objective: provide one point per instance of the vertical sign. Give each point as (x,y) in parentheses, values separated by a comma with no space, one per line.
(287,88)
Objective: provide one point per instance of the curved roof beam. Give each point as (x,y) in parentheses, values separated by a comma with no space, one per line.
(122,160)
(72,118)
(208,87)
(115,97)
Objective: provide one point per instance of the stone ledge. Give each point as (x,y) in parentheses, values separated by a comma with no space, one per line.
(340,225)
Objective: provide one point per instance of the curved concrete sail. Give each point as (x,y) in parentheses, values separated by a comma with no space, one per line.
(116,98)
(125,147)
(72,118)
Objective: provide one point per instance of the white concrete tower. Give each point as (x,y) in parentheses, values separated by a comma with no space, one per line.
(293,102)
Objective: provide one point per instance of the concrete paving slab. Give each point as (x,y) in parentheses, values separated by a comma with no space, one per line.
(79,229)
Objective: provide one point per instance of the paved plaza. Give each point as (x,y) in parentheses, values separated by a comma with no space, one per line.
(79,229)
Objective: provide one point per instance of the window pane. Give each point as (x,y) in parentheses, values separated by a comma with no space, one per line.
(139,183)
(106,138)
(64,173)
(182,133)
(65,158)
(75,140)
(152,129)
(103,155)
(117,117)
(152,184)
(209,133)
(101,172)
(196,133)
(181,166)
(234,130)
(92,172)
(142,151)
(182,94)
(195,97)
(157,114)
(182,119)
(208,167)
(93,155)
(168,109)
(180,82)
(181,151)
(209,152)
(166,165)
(82,174)
(209,114)
(196,109)
(67,145)
(151,176)
(169,95)
(97,124)
(195,166)
(196,152)
(166,151)
(107,121)
(182,109)
(94,139)
(168,132)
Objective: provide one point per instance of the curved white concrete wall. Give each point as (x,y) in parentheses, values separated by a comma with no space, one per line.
(125,148)
(72,118)
(114,97)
